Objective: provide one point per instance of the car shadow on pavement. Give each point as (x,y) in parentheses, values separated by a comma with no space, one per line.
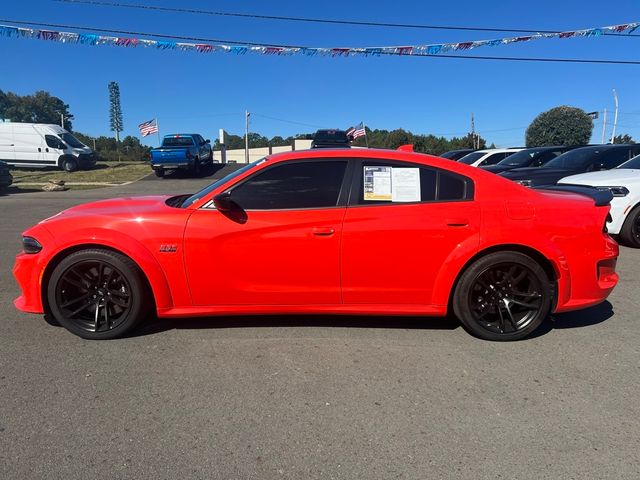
(577,319)
(330,321)
(205,172)
(5,192)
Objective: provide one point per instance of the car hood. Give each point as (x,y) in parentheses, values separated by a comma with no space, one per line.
(130,207)
(609,178)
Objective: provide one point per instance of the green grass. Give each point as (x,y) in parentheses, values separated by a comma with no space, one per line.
(103,172)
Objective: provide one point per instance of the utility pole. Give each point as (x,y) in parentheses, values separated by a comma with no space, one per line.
(246,136)
(473,131)
(604,125)
(62,120)
(615,117)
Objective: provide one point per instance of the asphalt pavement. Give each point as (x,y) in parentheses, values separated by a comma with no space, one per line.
(313,397)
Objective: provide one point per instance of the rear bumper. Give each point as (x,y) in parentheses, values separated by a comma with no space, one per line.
(171,166)
(590,281)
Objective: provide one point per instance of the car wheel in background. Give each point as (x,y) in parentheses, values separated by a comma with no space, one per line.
(69,164)
(159,172)
(630,232)
(502,296)
(196,167)
(97,294)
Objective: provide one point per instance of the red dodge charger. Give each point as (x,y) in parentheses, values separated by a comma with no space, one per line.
(367,232)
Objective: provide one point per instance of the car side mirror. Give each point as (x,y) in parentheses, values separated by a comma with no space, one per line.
(207,141)
(224,203)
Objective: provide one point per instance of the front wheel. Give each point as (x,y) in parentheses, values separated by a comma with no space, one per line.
(97,294)
(69,164)
(630,232)
(503,296)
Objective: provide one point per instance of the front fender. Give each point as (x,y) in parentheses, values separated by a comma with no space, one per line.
(125,244)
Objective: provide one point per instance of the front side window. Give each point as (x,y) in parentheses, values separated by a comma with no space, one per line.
(314,184)
(495,158)
(54,142)
(71,140)
(391,182)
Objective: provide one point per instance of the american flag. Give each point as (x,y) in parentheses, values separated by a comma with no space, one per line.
(147,128)
(357,131)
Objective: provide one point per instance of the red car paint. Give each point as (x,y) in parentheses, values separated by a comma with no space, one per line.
(395,258)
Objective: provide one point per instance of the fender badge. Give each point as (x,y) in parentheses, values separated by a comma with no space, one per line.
(168,248)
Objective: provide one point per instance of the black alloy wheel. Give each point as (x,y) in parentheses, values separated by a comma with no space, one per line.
(503,296)
(630,232)
(97,294)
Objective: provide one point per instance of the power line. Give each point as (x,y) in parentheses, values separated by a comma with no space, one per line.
(424,55)
(287,121)
(318,20)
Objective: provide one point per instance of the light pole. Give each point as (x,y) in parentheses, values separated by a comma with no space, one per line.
(615,117)
(246,136)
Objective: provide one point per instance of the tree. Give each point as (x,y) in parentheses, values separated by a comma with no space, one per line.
(560,126)
(626,138)
(40,107)
(115,110)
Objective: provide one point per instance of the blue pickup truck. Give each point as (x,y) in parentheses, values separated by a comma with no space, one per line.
(188,151)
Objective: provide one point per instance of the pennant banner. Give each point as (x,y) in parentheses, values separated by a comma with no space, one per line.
(431,49)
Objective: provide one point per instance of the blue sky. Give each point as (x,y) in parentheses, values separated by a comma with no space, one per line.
(205,92)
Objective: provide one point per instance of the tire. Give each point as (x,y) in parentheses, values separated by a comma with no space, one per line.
(210,159)
(196,167)
(97,294)
(502,296)
(159,172)
(69,164)
(630,231)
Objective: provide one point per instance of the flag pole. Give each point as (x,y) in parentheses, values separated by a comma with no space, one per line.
(366,139)
(158,132)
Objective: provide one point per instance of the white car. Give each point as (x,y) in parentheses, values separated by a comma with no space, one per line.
(624,184)
(490,156)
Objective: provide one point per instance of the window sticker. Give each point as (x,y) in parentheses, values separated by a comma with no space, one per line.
(377,183)
(405,185)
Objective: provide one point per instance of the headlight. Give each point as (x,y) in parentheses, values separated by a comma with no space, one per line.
(525,183)
(31,245)
(616,191)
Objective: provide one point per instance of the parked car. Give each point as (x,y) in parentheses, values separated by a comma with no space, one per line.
(579,160)
(181,151)
(456,154)
(331,138)
(624,184)
(6,178)
(490,156)
(530,157)
(331,231)
(42,145)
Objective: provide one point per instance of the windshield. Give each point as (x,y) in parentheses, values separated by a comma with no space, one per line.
(206,190)
(633,163)
(576,159)
(521,159)
(472,157)
(72,141)
(177,142)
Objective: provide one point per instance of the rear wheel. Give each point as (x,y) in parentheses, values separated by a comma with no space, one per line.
(159,172)
(503,296)
(630,232)
(97,294)
(196,167)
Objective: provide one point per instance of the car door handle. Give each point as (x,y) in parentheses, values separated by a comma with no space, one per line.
(323,231)
(457,222)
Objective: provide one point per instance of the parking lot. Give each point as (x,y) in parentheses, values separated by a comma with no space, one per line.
(314,397)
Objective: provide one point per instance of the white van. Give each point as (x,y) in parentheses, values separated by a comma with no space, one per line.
(41,145)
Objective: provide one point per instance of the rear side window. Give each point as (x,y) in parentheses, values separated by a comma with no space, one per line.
(616,157)
(399,182)
(495,158)
(292,185)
